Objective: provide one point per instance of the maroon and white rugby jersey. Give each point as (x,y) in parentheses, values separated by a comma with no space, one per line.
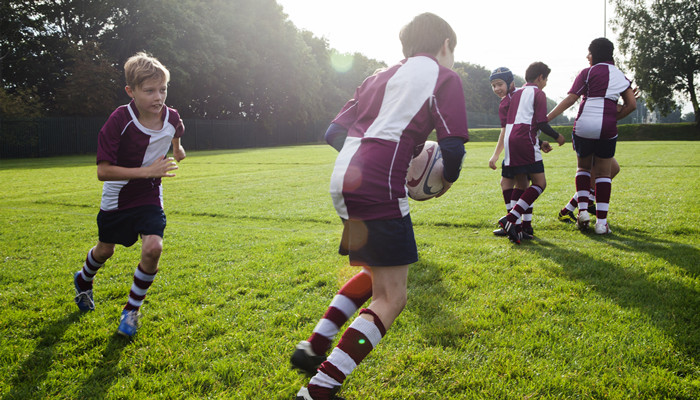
(600,86)
(123,141)
(522,112)
(391,113)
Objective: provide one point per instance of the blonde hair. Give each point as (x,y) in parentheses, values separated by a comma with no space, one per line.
(141,67)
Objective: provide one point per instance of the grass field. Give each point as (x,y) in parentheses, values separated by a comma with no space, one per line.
(250,265)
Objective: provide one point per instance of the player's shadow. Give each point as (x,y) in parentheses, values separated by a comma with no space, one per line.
(103,375)
(669,304)
(684,256)
(37,365)
(427,300)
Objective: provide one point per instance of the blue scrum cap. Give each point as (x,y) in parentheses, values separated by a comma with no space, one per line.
(502,73)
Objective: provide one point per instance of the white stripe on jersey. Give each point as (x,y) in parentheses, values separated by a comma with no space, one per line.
(590,122)
(350,147)
(506,147)
(526,106)
(406,92)
(160,140)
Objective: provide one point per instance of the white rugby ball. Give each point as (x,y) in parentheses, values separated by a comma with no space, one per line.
(424,178)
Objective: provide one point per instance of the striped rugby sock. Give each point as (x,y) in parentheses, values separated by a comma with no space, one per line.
(361,337)
(583,188)
(345,303)
(142,281)
(603,188)
(87,274)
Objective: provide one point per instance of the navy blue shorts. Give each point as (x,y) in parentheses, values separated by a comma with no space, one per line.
(124,226)
(511,171)
(379,243)
(601,148)
(507,173)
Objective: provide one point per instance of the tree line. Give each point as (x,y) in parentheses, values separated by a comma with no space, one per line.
(229,59)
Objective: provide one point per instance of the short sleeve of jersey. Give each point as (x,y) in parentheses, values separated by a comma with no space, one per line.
(503,111)
(540,107)
(109,137)
(348,114)
(176,121)
(580,84)
(180,129)
(449,110)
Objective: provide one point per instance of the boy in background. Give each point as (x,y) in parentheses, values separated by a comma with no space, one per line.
(503,86)
(383,126)
(523,116)
(131,159)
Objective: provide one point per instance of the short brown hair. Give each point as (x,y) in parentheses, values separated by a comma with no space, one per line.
(141,67)
(426,33)
(536,69)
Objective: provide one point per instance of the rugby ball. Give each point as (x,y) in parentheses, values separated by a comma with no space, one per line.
(424,178)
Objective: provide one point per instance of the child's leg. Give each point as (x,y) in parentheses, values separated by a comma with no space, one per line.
(365,332)
(583,187)
(603,187)
(507,189)
(345,303)
(572,205)
(529,197)
(151,249)
(96,257)
(517,193)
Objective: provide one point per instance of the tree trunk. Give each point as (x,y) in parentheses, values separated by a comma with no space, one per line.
(694,98)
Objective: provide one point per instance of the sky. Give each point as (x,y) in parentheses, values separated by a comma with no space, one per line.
(510,33)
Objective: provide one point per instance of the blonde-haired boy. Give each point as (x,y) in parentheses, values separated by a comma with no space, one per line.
(132,149)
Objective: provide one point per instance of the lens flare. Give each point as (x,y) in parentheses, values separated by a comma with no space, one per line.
(341,62)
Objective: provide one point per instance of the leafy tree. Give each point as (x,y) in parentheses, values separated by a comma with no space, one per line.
(90,83)
(662,40)
(24,102)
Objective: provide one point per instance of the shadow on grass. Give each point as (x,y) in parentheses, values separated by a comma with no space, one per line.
(426,299)
(37,365)
(670,305)
(98,384)
(681,255)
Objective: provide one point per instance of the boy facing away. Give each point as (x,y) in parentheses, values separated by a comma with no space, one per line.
(378,132)
(131,160)
(522,117)
(595,130)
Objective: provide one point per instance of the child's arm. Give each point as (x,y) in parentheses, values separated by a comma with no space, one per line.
(452,149)
(629,103)
(562,106)
(548,130)
(498,150)
(159,169)
(545,146)
(336,135)
(178,150)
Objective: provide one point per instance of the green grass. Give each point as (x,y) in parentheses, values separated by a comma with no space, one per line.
(250,265)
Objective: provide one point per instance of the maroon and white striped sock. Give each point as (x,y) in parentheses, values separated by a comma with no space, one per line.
(524,203)
(348,300)
(507,195)
(603,188)
(87,274)
(583,187)
(361,337)
(572,205)
(142,281)
(527,218)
